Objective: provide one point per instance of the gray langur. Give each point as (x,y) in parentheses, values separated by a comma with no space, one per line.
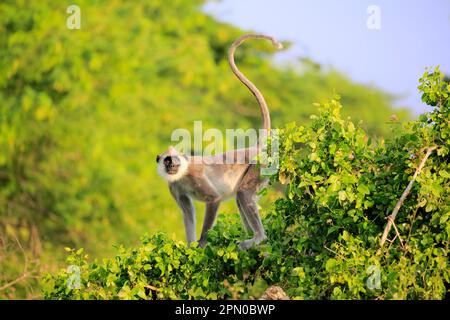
(212,179)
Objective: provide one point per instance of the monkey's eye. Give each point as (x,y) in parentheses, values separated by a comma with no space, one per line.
(168,159)
(157,158)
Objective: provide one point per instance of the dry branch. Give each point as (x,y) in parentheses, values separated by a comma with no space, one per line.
(26,273)
(391,218)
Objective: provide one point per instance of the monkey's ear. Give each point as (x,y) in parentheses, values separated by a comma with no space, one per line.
(157,158)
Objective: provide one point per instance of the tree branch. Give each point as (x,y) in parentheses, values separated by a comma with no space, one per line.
(391,218)
(25,273)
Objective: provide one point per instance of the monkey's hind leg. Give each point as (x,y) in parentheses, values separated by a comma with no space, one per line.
(249,207)
(243,217)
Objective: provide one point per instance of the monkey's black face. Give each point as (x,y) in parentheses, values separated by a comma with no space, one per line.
(172,164)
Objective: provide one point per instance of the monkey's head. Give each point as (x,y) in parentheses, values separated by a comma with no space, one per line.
(172,165)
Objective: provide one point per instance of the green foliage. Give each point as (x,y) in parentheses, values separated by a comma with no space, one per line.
(323,235)
(84,112)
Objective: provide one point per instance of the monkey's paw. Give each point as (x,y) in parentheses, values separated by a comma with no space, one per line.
(247,244)
(202,243)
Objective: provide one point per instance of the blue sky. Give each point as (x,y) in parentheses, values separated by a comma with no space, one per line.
(414,34)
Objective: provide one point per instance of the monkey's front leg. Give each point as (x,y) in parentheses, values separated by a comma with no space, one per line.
(186,205)
(208,222)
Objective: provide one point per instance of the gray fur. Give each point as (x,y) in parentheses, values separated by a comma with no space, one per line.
(213,180)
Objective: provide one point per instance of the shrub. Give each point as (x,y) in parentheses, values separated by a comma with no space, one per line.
(84,113)
(323,235)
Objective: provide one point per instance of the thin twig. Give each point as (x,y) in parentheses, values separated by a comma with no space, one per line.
(398,235)
(25,273)
(391,241)
(11,283)
(152,287)
(337,254)
(412,223)
(391,218)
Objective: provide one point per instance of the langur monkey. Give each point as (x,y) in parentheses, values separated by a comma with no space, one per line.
(212,179)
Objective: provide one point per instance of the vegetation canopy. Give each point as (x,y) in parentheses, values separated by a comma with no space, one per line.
(323,235)
(83,114)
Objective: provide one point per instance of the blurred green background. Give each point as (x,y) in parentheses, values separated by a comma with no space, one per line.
(83,114)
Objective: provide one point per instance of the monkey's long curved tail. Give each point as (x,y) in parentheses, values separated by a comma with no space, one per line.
(254,90)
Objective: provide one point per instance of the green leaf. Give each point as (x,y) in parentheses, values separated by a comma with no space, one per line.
(331,265)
